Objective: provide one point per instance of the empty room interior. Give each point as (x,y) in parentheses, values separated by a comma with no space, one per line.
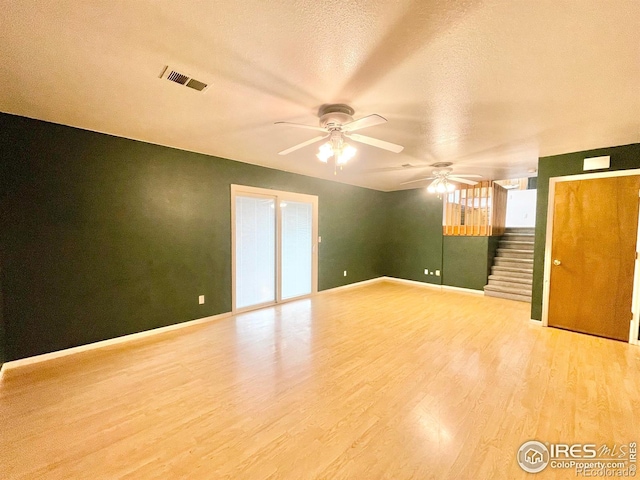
(319,240)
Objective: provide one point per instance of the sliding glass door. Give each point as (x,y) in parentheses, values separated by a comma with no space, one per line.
(255,250)
(297,248)
(274,246)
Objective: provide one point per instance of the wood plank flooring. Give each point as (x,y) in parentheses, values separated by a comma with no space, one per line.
(383,381)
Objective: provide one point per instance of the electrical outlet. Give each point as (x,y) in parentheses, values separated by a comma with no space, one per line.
(319,239)
(437,273)
(426,271)
(201,300)
(345,273)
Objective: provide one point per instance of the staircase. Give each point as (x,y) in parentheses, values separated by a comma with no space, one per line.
(512,271)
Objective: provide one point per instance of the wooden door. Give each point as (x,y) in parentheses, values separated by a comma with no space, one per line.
(593,249)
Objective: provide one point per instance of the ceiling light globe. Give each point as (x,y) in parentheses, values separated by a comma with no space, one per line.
(441,188)
(451,187)
(346,154)
(431,189)
(325,152)
(349,151)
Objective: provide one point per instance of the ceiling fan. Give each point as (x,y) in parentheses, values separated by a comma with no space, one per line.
(442,177)
(338,125)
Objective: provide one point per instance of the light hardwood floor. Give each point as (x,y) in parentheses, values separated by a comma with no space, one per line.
(379,381)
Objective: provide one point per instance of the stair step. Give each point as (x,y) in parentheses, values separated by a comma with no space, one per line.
(508,296)
(524,279)
(518,237)
(512,272)
(513,253)
(516,245)
(515,290)
(509,283)
(520,230)
(513,262)
(517,260)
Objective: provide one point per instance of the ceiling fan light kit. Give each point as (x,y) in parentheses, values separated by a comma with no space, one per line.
(442,177)
(337,148)
(441,185)
(338,125)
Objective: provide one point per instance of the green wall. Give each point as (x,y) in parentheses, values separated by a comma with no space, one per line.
(415,243)
(467,261)
(413,235)
(102,236)
(622,158)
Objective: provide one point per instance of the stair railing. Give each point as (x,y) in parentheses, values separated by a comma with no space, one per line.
(476,210)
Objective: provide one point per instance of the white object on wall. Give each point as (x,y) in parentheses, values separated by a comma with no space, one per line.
(596,163)
(521,208)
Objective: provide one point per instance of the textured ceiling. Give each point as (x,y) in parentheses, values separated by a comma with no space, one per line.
(489,86)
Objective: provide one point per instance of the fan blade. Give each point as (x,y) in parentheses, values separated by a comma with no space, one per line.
(364,122)
(420,180)
(301,125)
(454,178)
(392,169)
(303,144)
(392,147)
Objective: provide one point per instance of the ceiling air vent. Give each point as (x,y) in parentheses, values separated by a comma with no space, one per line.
(174,76)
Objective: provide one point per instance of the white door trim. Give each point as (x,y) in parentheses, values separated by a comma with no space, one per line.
(633,339)
(279,196)
(634,327)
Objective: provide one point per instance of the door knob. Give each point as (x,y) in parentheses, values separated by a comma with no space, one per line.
(557,262)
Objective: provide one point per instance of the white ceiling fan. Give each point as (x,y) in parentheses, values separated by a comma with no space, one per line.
(338,125)
(442,177)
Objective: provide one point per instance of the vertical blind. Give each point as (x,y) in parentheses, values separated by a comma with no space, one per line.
(296,248)
(255,251)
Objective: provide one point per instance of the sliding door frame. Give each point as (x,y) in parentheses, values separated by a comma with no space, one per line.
(280,196)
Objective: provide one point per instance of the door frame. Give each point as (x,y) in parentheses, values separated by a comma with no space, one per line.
(634,327)
(279,195)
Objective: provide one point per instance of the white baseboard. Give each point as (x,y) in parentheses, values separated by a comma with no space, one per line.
(156,331)
(106,343)
(147,333)
(410,282)
(351,285)
(432,285)
(463,290)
